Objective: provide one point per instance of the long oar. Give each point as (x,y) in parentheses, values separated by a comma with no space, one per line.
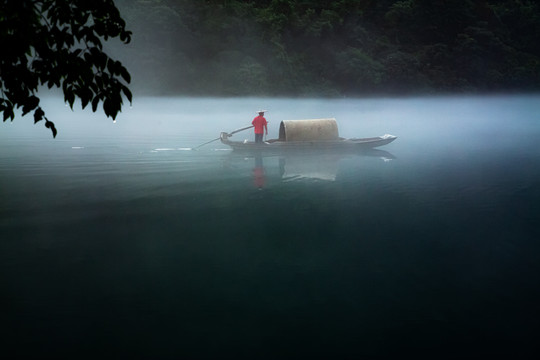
(230,134)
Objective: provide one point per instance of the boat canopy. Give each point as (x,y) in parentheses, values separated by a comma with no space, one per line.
(308,130)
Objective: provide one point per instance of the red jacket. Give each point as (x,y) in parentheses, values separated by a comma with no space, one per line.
(260,124)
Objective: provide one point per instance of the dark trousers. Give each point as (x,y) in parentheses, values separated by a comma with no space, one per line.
(258,138)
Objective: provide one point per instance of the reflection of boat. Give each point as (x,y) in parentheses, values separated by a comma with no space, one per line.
(322,166)
(301,168)
(294,166)
(315,134)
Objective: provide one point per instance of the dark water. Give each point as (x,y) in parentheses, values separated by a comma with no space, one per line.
(117,240)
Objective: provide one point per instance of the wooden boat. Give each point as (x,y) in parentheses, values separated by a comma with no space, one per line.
(312,134)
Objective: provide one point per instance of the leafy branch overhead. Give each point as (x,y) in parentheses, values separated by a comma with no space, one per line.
(58,43)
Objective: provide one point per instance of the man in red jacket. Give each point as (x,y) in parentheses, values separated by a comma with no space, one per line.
(260,125)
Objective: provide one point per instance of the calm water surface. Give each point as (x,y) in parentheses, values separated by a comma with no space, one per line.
(118,239)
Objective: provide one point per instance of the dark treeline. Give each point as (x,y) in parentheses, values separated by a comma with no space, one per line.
(341,47)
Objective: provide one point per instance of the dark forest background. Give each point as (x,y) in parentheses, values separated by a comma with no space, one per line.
(331,48)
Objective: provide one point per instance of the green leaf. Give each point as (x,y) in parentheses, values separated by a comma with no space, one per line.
(50,125)
(85,96)
(8,113)
(30,104)
(125,74)
(107,107)
(69,96)
(127,92)
(95,103)
(38,115)
(59,43)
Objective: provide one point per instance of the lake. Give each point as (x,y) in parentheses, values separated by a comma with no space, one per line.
(118,239)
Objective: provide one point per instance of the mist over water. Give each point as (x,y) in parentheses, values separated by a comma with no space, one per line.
(118,238)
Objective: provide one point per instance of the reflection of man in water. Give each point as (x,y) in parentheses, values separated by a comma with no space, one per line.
(260,124)
(258,173)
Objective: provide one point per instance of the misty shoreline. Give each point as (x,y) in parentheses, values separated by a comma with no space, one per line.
(331,49)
